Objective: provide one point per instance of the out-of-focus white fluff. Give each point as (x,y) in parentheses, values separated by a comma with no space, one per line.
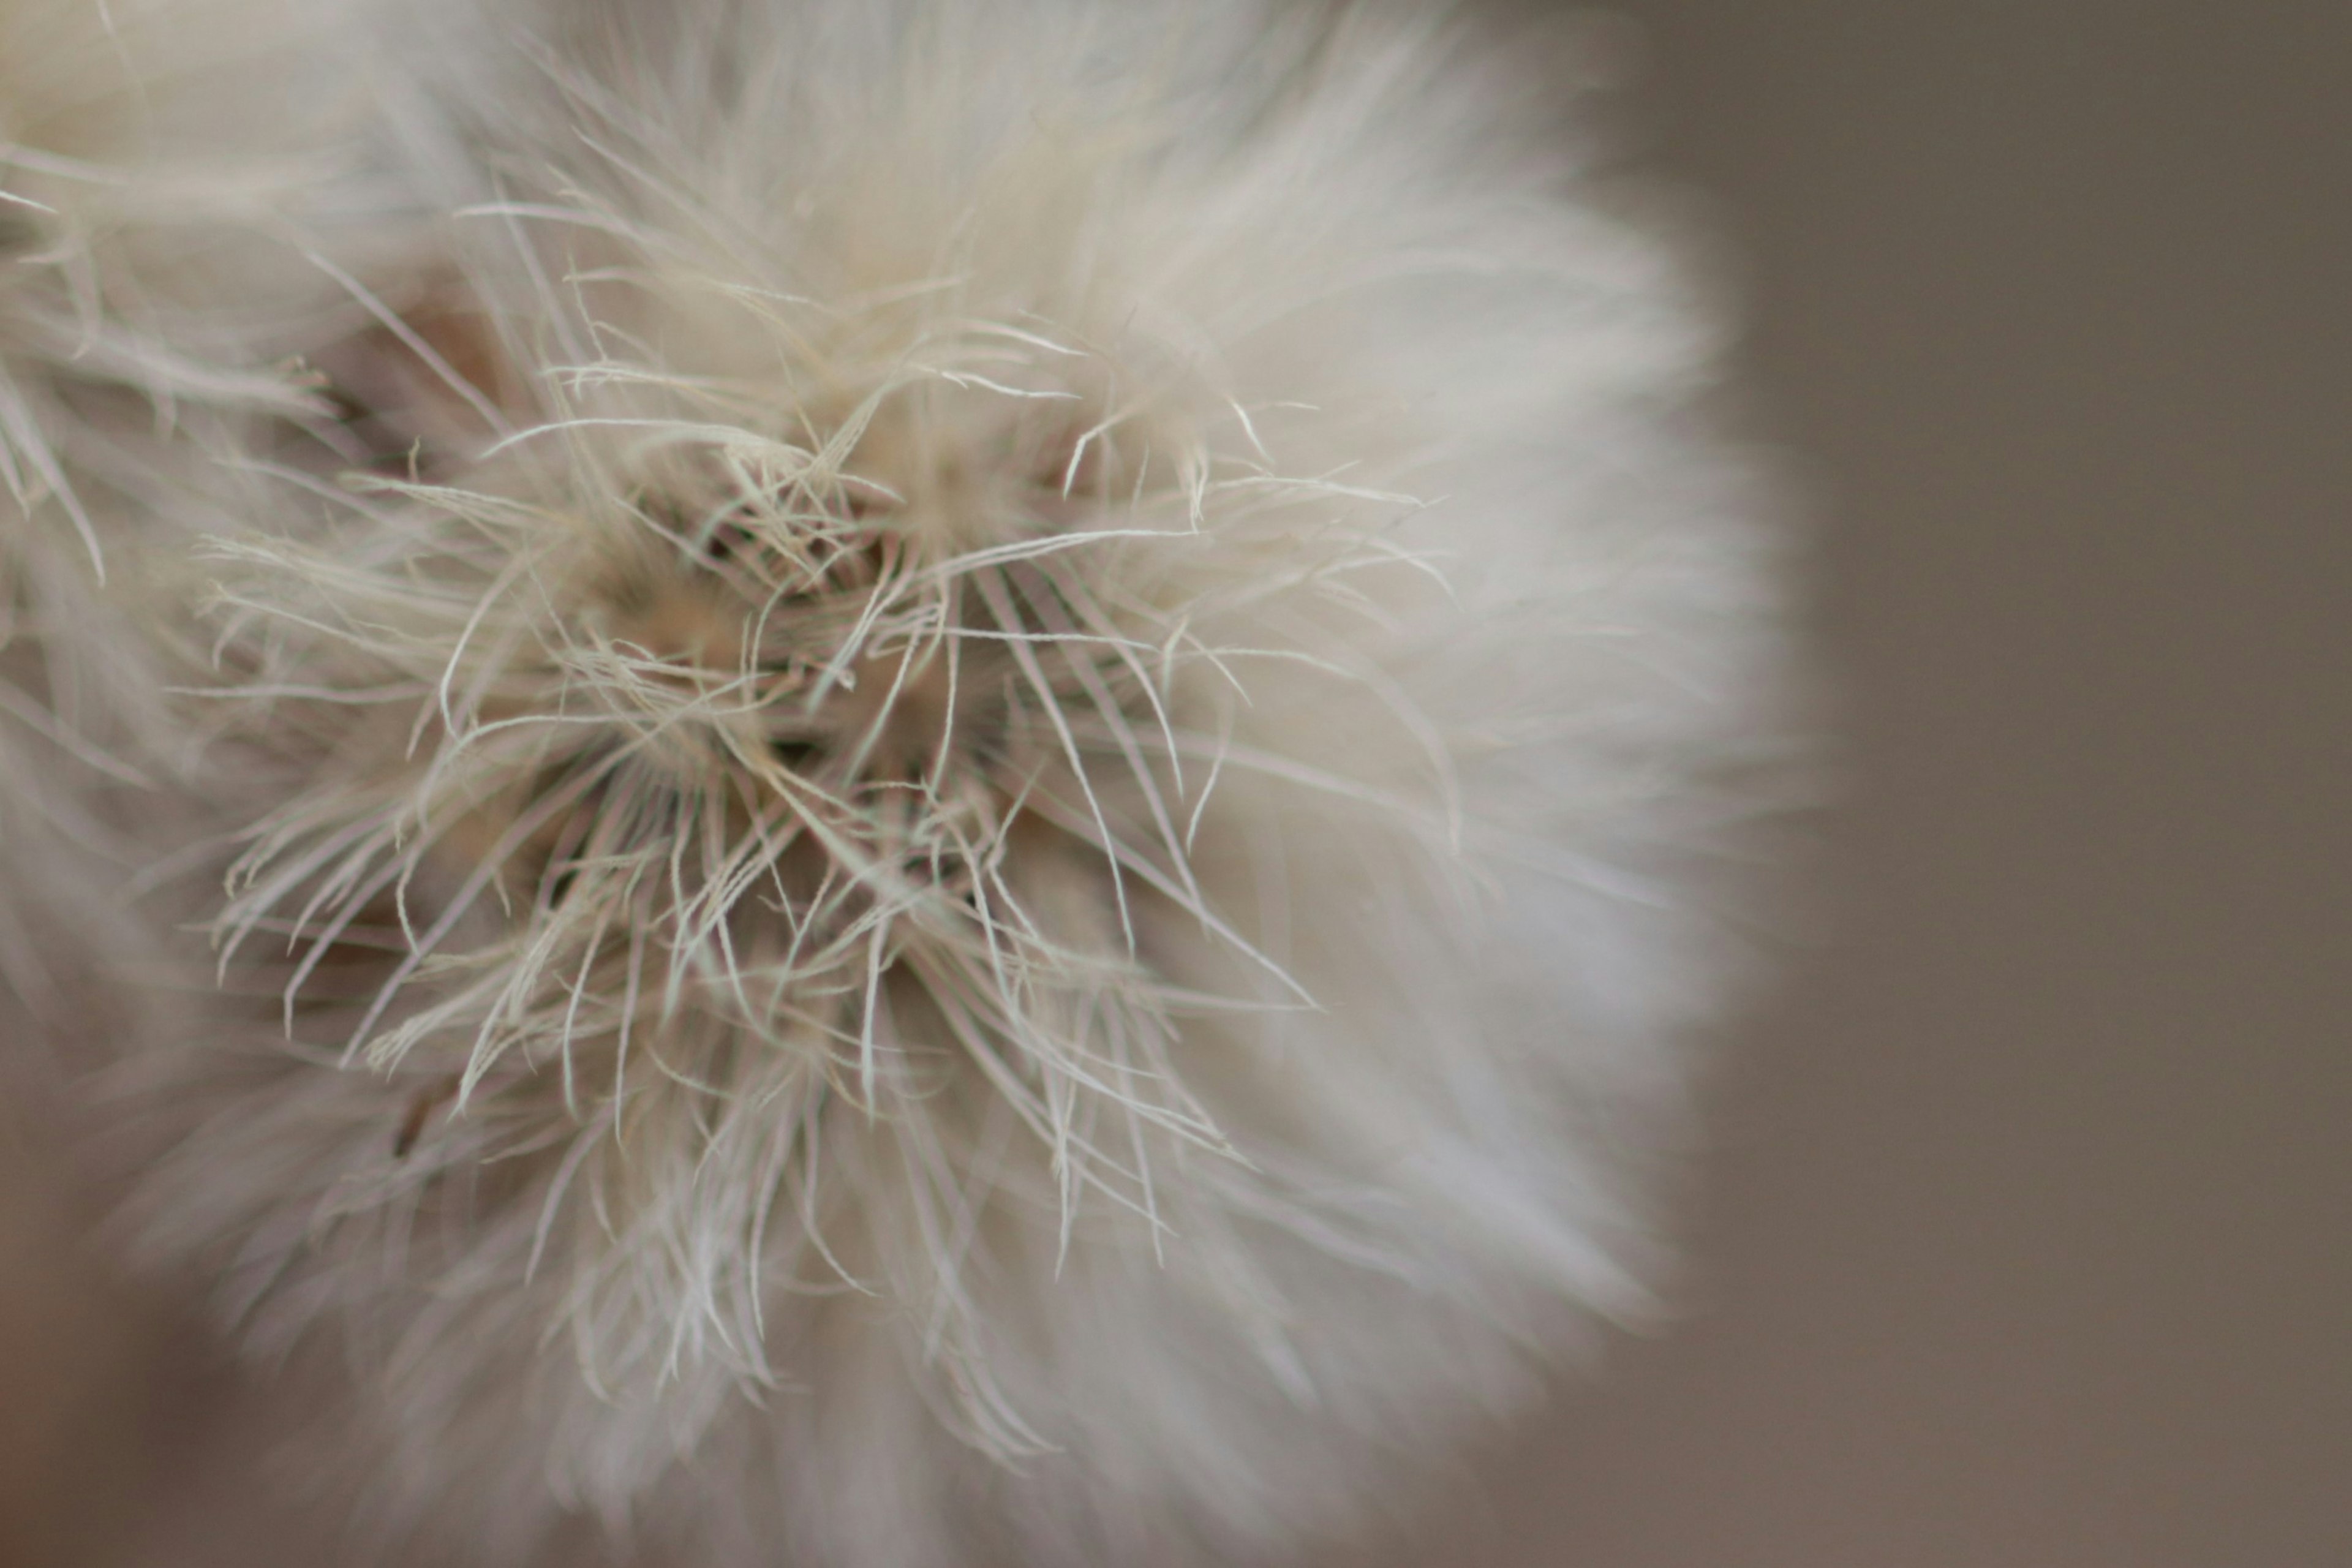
(146,286)
(965,756)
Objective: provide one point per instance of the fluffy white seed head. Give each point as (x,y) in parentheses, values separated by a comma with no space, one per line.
(962,771)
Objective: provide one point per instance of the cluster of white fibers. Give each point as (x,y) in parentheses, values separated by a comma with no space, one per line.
(952,766)
(146,290)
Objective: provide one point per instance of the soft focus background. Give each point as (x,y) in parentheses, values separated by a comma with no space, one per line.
(2027,1240)
(2026,1235)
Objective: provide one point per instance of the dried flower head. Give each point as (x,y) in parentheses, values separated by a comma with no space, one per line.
(962,802)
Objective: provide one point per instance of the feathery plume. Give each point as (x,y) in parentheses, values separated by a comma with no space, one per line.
(952,790)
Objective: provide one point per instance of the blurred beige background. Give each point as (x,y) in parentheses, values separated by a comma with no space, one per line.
(2027,1238)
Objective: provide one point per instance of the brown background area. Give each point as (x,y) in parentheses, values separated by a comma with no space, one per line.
(2028,1232)
(2027,1235)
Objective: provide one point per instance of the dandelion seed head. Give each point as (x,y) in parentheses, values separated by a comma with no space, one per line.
(822,734)
(952,777)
